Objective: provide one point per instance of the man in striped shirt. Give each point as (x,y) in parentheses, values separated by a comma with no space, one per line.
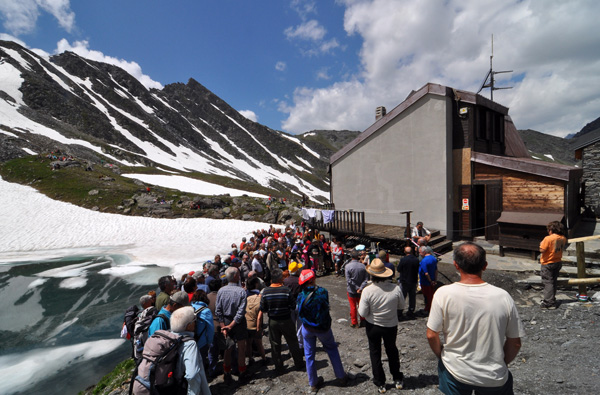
(278,302)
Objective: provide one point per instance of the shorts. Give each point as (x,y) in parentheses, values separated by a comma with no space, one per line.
(239,330)
(254,334)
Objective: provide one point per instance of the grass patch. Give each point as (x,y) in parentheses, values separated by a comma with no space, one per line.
(71,184)
(115,379)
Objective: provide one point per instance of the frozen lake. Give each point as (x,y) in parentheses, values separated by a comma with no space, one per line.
(67,275)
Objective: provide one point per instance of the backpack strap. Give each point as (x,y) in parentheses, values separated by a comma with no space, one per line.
(166,320)
(310,295)
(196,312)
(199,310)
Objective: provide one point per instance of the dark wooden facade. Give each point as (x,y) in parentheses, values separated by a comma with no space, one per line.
(493,173)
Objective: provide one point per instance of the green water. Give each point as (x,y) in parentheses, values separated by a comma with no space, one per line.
(56,317)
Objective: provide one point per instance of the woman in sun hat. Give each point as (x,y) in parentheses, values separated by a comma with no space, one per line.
(379,304)
(313,311)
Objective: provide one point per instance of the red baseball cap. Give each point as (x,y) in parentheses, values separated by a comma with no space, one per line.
(306,275)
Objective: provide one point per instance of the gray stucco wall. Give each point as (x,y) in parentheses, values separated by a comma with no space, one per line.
(406,165)
(591,176)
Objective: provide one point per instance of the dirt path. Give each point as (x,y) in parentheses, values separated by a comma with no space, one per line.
(560,354)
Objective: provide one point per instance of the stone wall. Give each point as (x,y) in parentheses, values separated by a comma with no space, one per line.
(591,176)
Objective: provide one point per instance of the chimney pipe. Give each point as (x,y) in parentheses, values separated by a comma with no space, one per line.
(380,112)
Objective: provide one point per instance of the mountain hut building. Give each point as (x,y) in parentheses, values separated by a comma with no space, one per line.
(455,159)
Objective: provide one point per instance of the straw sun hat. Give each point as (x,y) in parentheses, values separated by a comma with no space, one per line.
(378,269)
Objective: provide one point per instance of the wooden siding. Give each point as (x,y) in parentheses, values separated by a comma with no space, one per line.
(465,215)
(525,192)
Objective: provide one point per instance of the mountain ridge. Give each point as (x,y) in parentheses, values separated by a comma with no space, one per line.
(98,111)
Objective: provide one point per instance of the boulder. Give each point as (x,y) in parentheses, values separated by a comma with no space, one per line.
(247,206)
(145,200)
(210,202)
(128,202)
(227,210)
(61,164)
(247,217)
(269,217)
(218,214)
(93,192)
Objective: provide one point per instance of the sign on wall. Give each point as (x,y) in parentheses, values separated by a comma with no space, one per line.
(465,204)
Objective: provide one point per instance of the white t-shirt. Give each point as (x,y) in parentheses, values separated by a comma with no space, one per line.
(256,266)
(475,319)
(380,302)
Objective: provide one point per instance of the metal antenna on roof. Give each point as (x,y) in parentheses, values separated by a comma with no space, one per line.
(489,81)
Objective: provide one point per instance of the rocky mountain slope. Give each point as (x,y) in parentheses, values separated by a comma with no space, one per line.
(548,148)
(100,113)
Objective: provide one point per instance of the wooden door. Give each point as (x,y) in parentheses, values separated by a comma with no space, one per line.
(493,208)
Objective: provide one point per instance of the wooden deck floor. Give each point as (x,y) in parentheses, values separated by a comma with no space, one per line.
(385,231)
(393,238)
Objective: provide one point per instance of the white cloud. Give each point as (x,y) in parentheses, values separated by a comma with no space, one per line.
(311,30)
(280,66)
(20,17)
(329,45)
(251,115)
(61,10)
(322,74)
(304,7)
(552,46)
(8,37)
(81,49)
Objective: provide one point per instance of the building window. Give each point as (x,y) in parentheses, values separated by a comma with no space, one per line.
(482,124)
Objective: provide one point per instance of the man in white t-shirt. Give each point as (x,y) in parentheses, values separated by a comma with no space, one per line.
(481,328)
(257,265)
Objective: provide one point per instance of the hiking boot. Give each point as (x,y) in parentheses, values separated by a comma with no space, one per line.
(548,306)
(382,389)
(279,370)
(227,378)
(315,388)
(399,384)
(243,376)
(354,326)
(343,381)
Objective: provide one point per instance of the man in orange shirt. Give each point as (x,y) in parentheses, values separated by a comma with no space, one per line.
(552,248)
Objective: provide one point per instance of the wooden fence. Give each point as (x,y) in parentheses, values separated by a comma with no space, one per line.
(346,222)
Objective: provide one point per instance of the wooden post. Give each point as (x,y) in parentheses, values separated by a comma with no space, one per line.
(579,248)
(362,216)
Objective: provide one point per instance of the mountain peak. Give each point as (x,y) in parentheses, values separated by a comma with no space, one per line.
(100,112)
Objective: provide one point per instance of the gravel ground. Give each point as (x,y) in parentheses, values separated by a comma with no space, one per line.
(560,353)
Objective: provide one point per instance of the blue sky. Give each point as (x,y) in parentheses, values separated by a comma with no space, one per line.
(298,65)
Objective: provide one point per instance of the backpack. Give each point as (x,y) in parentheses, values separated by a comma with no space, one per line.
(140,331)
(155,373)
(200,322)
(130,317)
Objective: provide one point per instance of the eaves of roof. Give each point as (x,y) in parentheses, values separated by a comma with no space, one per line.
(529,166)
(429,88)
(587,139)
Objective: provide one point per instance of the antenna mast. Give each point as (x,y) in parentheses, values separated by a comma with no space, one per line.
(489,81)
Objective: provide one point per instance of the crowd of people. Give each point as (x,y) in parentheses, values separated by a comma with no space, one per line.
(268,283)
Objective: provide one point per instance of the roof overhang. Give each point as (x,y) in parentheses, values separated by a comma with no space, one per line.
(528,218)
(428,89)
(529,166)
